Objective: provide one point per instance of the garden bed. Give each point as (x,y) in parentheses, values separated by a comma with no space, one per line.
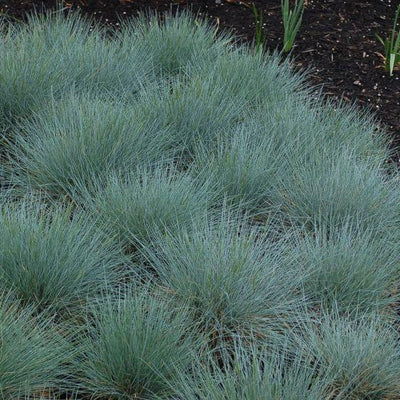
(183,218)
(336,40)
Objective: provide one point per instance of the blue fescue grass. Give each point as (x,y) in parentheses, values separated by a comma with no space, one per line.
(234,279)
(53,52)
(27,76)
(173,43)
(327,190)
(238,178)
(34,355)
(137,342)
(251,374)
(360,357)
(139,207)
(261,213)
(349,270)
(315,124)
(53,260)
(193,109)
(62,149)
(250,78)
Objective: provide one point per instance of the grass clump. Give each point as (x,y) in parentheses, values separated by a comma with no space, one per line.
(267,77)
(27,76)
(194,110)
(136,345)
(233,278)
(359,356)
(253,374)
(53,52)
(52,262)
(239,178)
(308,125)
(33,354)
(79,139)
(347,127)
(329,190)
(349,270)
(141,206)
(173,42)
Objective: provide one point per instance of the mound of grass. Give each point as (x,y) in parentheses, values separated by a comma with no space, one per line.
(139,207)
(252,374)
(234,278)
(34,355)
(63,149)
(360,356)
(52,53)
(54,261)
(173,43)
(325,191)
(249,77)
(193,109)
(238,179)
(349,270)
(135,346)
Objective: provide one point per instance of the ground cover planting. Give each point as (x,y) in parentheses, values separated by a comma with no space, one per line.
(181,217)
(339,42)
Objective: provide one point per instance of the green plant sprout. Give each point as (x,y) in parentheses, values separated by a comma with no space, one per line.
(392,46)
(260,38)
(291,22)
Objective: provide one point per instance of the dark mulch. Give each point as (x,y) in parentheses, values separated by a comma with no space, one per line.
(337,40)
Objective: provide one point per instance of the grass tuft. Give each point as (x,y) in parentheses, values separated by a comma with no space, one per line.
(173,41)
(141,206)
(52,262)
(79,139)
(34,355)
(135,346)
(328,190)
(349,270)
(360,357)
(253,374)
(234,279)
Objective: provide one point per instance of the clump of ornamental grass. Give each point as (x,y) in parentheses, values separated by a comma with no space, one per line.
(137,342)
(54,260)
(193,109)
(61,150)
(244,167)
(52,52)
(360,357)
(27,76)
(93,60)
(250,77)
(313,124)
(235,280)
(173,41)
(252,374)
(328,190)
(348,269)
(344,126)
(148,202)
(33,354)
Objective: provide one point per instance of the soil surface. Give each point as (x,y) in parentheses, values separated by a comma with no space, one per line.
(336,40)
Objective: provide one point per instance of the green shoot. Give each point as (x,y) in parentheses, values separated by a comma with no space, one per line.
(291,22)
(259,38)
(392,46)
